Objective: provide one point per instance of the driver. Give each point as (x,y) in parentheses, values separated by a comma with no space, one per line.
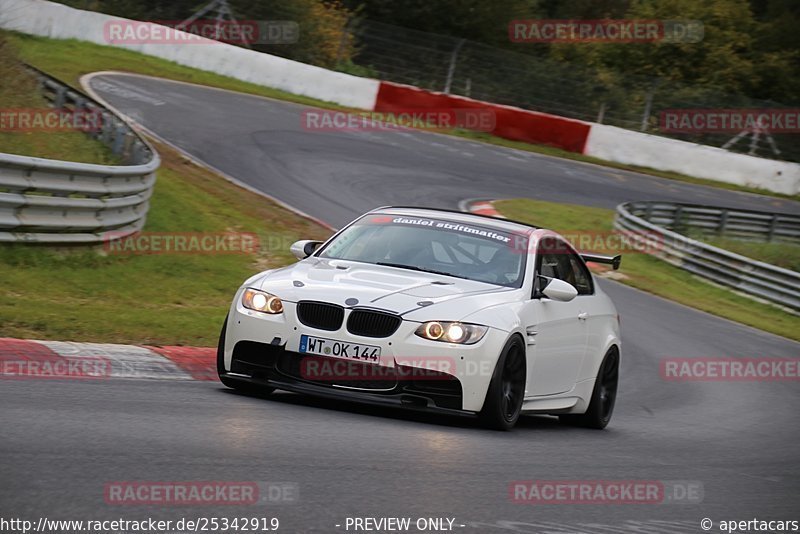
(405,247)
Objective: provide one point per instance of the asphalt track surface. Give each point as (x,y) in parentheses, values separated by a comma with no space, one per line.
(61,442)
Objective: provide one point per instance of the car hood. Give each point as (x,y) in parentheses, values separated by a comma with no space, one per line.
(392,289)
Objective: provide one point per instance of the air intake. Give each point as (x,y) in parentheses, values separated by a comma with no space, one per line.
(372,324)
(320,315)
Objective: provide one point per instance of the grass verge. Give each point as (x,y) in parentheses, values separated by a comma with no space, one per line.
(651,274)
(19,91)
(68,60)
(87,294)
(91,294)
(784,255)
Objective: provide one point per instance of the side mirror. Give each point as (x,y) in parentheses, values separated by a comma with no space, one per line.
(303,249)
(554,289)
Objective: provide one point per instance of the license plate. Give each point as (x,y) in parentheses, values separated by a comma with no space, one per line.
(339,349)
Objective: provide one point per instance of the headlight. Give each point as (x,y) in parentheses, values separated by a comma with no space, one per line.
(452,332)
(261,301)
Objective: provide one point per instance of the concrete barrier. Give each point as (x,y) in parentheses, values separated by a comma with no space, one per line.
(607,143)
(48,19)
(635,148)
(509,122)
(39,17)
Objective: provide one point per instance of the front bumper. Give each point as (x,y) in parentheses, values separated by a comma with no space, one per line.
(413,372)
(364,398)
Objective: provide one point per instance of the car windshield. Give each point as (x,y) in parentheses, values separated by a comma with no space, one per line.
(436,246)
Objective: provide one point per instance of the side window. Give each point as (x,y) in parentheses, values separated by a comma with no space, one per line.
(560,266)
(583,278)
(557,260)
(554,260)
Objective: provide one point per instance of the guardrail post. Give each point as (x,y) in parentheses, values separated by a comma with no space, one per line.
(127,149)
(136,151)
(107,129)
(60,100)
(676,219)
(119,139)
(773,224)
(723,221)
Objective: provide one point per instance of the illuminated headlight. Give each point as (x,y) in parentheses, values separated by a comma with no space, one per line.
(260,301)
(452,332)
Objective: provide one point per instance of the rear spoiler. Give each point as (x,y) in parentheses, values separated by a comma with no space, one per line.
(614,261)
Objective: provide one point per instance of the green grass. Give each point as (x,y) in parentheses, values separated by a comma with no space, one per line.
(19,91)
(784,255)
(85,294)
(68,60)
(651,274)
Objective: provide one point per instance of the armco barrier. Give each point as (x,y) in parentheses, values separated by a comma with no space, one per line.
(48,19)
(49,201)
(721,222)
(747,275)
(510,122)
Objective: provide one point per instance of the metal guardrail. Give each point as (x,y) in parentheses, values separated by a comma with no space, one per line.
(51,201)
(644,220)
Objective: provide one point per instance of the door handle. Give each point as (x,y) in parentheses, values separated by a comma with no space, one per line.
(582,316)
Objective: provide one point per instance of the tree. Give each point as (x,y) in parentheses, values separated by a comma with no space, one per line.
(732,57)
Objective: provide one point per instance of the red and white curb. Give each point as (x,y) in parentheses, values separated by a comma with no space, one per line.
(21,358)
(481,207)
(31,359)
(486,207)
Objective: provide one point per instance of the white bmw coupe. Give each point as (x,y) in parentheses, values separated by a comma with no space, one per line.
(432,310)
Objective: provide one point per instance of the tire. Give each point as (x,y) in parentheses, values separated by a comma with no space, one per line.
(503,403)
(243,387)
(604,396)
